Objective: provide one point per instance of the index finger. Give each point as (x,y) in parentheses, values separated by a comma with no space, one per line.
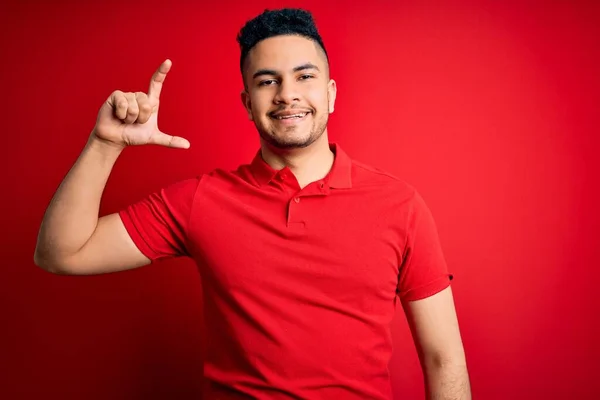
(158,78)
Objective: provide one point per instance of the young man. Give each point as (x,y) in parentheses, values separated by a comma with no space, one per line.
(303,252)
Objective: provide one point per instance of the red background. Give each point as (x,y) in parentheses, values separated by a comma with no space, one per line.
(489,108)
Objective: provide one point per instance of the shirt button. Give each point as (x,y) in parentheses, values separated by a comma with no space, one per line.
(297,199)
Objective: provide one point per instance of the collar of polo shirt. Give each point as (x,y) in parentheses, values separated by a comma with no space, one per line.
(339,177)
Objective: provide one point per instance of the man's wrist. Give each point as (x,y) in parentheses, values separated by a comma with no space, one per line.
(104,147)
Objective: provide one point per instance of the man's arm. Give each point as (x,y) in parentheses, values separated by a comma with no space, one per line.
(72,239)
(434,326)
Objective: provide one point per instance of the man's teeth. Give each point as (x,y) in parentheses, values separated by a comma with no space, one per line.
(292,116)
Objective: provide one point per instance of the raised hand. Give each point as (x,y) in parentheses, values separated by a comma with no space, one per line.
(130,119)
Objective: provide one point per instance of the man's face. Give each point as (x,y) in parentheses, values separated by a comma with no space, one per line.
(288,95)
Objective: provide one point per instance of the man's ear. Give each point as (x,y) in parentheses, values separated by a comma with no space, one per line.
(247,103)
(331,94)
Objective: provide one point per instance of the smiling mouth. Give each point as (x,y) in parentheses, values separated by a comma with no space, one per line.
(290,117)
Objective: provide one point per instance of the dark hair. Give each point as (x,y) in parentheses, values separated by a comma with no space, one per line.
(285,21)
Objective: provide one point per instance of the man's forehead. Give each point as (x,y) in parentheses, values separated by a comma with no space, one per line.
(285,53)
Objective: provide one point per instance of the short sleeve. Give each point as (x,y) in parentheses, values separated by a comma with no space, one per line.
(423,271)
(158,223)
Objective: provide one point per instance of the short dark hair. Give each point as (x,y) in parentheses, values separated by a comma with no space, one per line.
(285,21)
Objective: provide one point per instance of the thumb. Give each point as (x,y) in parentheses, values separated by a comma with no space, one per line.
(162,139)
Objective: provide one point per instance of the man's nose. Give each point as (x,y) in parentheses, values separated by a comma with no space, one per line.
(287,93)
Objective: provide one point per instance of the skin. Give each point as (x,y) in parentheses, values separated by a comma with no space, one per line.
(73,239)
(291,74)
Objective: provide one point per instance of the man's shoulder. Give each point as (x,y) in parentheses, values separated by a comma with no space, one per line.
(231,175)
(391,190)
(368,175)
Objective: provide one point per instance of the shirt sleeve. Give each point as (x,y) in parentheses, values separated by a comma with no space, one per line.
(158,223)
(423,271)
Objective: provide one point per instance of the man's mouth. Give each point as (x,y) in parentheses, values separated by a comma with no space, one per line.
(290,116)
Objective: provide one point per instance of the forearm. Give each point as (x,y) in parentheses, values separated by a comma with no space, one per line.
(72,215)
(446,381)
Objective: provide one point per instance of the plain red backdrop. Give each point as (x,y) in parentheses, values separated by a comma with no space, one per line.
(489,108)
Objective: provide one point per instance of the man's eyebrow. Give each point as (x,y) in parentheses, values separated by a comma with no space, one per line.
(261,72)
(306,66)
(267,71)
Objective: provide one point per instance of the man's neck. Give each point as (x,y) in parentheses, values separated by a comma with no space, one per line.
(308,164)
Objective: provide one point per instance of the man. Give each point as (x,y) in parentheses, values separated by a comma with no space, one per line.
(303,252)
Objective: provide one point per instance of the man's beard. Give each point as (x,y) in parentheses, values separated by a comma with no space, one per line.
(294,142)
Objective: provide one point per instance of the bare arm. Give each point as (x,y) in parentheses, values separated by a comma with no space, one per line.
(72,238)
(434,326)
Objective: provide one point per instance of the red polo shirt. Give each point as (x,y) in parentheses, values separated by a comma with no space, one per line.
(300,285)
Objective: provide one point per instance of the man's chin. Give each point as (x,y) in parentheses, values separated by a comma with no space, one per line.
(288,143)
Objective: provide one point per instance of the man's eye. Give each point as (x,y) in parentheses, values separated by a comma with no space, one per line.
(267,82)
(303,77)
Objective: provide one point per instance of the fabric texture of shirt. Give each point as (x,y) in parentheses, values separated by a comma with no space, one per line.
(300,285)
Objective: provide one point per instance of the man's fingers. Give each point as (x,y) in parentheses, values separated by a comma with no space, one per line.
(145,109)
(158,78)
(162,139)
(119,104)
(132,108)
